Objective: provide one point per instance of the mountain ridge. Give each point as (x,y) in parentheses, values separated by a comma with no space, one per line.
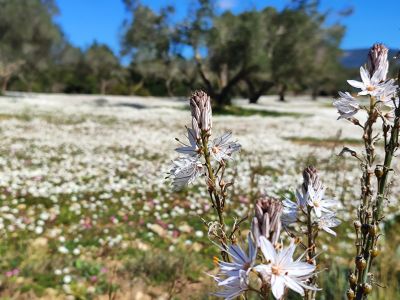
(354,58)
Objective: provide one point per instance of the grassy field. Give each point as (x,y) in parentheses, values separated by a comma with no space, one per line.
(86,213)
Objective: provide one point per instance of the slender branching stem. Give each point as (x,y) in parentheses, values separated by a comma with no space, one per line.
(372,218)
(309,294)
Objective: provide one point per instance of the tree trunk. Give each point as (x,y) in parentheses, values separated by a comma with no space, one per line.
(4,84)
(314,94)
(282,93)
(255,94)
(103,87)
(222,99)
(168,83)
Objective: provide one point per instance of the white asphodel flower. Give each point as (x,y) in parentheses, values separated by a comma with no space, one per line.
(371,85)
(191,149)
(346,105)
(282,271)
(318,203)
(289,212)
(222,147)
(234,288)
(291,209)
(328,221)
(185,170)
(233,276)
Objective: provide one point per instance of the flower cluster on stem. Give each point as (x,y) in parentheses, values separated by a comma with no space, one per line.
(313,212)
(383,108)
(267,267)
(203,157)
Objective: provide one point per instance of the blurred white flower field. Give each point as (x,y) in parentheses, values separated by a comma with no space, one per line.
(86,211)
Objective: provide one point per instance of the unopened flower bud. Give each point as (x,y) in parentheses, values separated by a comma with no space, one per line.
(267,219)
(366,288)
(311,178)
(378,171)
(352,279)
(200,105)
(373,230)
(350,294)
(355,121)
(390,116)
(378,61)
(361,263)
(375,252)
(357,225)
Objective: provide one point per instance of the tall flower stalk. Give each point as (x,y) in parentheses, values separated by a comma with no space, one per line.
(383,95)
(203,157)
(313,213)
(267,267)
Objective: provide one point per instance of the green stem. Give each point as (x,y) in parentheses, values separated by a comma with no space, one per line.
(390,148)
(206,152)
(309,294)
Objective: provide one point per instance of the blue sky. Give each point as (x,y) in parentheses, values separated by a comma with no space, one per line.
(84,21)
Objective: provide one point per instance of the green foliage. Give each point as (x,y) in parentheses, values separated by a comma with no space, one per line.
(247,112)
(247,54)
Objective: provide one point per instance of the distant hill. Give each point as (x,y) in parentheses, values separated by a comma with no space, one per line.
(355,58)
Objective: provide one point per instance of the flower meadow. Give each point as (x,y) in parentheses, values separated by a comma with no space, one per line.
(148,198)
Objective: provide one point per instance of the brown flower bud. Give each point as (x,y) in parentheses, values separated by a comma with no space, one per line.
(352,279)
(375,252)
(361,263)
(378,171)
(378,61)
(357,225)
(350,294)
(373,230)
(366,288)
(311,178)
(267,219)
(200,105)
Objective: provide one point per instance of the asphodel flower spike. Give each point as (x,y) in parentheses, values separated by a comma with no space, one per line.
(378,61)
(267,219)
(200,105)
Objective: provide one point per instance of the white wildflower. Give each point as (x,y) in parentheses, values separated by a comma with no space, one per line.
(318,203)
(67,279)
(346,105)
(281,271)
(191,149)
(372,85)
(291,209)
(222,148)
(185,170)
(233,276)
(328,221)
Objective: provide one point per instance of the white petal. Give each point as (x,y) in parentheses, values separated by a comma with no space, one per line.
(365,76)
(364,93)
(252,248)
(328,230)
(356,84)
(331,203)
(278,286)
(268,250)
(299,268)
(292,284)
(286,255)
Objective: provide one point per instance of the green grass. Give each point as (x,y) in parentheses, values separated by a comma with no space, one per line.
(324,142)
(247,112)
(239,111)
